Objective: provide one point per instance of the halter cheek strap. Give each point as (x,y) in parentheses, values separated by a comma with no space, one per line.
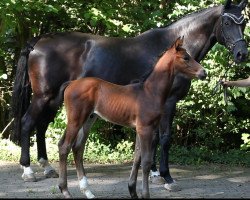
(236,20)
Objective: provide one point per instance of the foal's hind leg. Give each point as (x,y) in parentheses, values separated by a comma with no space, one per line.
(78,149)
(65,145)
(76,116)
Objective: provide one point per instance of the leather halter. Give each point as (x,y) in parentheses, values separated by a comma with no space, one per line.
(237,20)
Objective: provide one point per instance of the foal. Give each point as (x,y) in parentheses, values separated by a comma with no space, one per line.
(137,105)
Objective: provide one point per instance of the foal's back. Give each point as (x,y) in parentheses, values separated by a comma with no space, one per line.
(115,103)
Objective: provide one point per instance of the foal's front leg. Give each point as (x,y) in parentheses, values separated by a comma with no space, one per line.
(135,168)
(146,137)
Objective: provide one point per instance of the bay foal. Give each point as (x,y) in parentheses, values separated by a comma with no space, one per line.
(137,105)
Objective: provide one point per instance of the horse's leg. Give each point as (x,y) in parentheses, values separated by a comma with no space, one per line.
(154,173)
(179,90)
(165,142)
(146,137)
(41,127)
(135,168)
(78,150)
(28,124)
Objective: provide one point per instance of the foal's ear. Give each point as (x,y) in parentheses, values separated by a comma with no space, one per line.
(243,4)
(178,43)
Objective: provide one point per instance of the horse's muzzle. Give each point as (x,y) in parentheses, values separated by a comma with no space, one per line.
(240,52)
(202,75)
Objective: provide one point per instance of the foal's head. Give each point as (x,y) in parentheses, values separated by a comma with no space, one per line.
(184,63)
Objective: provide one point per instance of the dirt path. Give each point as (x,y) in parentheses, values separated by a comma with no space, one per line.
(110,181)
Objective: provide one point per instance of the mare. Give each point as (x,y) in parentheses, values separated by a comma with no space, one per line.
(50,60)
(137,105)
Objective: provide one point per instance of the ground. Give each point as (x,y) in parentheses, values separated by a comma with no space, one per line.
(110,181)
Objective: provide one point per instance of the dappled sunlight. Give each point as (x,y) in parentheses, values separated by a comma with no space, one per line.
(240,179)
(208,177)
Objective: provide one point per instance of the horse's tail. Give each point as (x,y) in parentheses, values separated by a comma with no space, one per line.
(21,93)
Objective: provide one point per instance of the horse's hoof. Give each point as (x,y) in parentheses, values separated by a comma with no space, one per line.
(29,177)
(51,174)
(158,180)
(173,187)
(155,178)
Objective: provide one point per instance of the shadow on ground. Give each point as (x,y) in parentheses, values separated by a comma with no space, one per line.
(110,181)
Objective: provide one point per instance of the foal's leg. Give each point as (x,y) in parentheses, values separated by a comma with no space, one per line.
(65,145)
(146,136)
(76,116)
(78,150)
(134,172)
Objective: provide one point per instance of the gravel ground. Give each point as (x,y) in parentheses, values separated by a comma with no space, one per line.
(110,181)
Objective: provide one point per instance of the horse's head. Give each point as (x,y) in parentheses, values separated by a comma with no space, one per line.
(230,32)
(184,63)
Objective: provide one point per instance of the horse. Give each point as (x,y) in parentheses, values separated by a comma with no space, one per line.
(49,60)
(136,105)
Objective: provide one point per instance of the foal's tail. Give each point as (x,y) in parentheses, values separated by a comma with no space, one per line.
(60,96)
(21,93)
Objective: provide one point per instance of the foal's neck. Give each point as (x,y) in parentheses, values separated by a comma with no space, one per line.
(160,81)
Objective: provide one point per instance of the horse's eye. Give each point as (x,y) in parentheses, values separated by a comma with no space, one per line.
(226,23)
(186,58)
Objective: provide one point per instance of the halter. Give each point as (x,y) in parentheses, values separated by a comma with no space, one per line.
(237,20)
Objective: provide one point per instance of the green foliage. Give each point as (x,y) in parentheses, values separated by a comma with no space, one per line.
(102,145)
(246,141)
(203,155)
(204,123)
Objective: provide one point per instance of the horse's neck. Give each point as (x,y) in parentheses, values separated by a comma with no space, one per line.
(198,31)
(160,81)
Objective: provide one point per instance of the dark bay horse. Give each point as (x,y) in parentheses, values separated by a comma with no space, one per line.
(137,105)
(50,60)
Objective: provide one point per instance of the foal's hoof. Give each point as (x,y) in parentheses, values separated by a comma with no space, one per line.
(173,187)
(29,177)
(52,174)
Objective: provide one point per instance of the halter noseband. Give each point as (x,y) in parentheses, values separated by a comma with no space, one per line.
(236,20)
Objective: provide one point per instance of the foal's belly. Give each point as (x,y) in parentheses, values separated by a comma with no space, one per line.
(117,117)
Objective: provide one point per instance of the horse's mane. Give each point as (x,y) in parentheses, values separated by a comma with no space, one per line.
(192,14)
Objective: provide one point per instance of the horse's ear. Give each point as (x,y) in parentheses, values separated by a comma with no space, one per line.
(228,4)
(243,4)
(178,43)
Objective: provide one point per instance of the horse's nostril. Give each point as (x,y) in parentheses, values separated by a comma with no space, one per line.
(203,75)
(239,55)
